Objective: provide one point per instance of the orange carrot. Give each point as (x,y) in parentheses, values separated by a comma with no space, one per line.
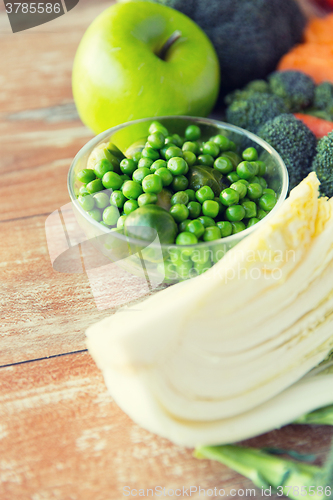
(317,125)
(319,30)
(314,59)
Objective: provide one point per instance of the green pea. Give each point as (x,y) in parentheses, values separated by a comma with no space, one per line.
(240,188)
(229,197)
(156,140)
(102,166)
(183,225)
(130,206)
(180,197)
(132,190)
(183,269)
(255,166)
(179,141)
(124,177)
(186,238)
(223,165)
(179,212)
(243,181)
(112,180)
(250,154)
(152,184)
(127,166)
(173,152)
(235,213)
(86,175)
(220,204)
(165,175)
(189,146)
(147,199)
(233,156)
(86,202)
(150,153)
(261,214)
(250,209)
(196,227)
(164,150)
(191,194)
(83,191)
(210,148)
(190,158)
(192,133)
(246,170)
(204,193)
(269,191)
(210,208)
(158,164)
(212,233)
(206,160)
(110,215)
(267,202)
(252,222)
(225,228)
(96,185)
(177,166)
(156,126)
(262,168)
(194,209)
(201,268)
(207,221)
(179,183)
(145,163)
(95,214)
(102,200)
(222,141)
(254,191)
(201,255)
(170,141)
(121,221)
(232,146)
(117,199)
(233,177)
(237,227)
(137,156)
(262,182)
(140,173)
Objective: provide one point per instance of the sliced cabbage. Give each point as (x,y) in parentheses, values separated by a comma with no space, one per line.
(225,356)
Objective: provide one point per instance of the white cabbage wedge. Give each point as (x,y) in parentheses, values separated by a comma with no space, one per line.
(224,356)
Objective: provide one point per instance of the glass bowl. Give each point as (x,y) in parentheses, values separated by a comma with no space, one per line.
(152,260)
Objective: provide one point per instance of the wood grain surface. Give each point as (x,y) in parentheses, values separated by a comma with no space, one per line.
(61,435)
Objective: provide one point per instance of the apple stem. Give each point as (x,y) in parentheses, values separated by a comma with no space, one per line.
(170,41)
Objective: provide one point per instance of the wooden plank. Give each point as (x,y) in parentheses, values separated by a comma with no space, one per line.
(61,437)
(45,312)
(41,77)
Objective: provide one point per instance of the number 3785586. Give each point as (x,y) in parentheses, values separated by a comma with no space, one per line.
(32,8)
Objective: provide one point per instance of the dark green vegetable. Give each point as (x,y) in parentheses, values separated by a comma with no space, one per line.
(253,112)
(294,142)
(296,88)
(323,99)
(249,36)
(323,164)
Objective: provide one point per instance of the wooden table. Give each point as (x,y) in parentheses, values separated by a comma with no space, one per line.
(61,436)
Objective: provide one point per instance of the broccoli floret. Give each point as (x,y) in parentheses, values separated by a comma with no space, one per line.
(295,143)
(323,96)
(251,88)
(249,36)
(253,112)
(296,88)
(323,164)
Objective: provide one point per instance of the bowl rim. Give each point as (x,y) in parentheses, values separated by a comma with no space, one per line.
(209,121)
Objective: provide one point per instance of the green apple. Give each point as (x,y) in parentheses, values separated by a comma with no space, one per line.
(141,59)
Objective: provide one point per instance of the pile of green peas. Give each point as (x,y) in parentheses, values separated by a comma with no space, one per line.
(119,185)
